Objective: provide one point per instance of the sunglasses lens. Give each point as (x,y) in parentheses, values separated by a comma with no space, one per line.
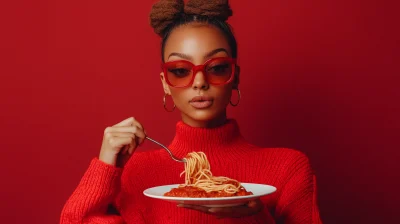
(179,73)
(219,71)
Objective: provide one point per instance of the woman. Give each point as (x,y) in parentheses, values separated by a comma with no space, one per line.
(199,73)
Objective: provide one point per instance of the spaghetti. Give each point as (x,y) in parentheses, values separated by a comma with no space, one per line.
(199,181)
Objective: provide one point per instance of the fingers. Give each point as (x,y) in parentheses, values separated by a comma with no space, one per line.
(256,204)
(120,134)
(136,123)
(230,211)
(129,122)
(251,208)
(131,149)
(129,125)
(131,129)
(126,122)
(119,141)
(117,136)
(142,134)
(120,137)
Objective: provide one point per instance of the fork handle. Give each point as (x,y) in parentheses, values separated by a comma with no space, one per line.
(164,147)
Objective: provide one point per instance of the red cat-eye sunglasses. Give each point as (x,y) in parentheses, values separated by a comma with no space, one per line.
(217,71)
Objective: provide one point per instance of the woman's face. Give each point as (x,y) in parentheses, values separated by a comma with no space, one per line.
(201,104)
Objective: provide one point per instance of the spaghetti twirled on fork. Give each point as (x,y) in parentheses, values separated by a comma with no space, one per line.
(199,181)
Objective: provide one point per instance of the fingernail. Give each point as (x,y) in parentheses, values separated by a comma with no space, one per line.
(213,210)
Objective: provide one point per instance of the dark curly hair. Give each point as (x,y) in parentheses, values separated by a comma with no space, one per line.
(166,15)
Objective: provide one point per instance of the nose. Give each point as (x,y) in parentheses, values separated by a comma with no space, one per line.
(200,81)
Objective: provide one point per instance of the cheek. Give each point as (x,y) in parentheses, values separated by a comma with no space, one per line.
(224,95)
(179,96)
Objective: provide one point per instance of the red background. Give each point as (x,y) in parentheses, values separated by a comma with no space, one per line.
(318,76)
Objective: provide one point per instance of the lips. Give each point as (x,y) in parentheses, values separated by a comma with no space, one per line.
(201,102)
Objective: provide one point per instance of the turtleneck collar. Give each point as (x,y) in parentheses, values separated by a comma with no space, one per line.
(208,140)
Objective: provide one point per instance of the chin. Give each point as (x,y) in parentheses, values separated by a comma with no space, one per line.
(203,115)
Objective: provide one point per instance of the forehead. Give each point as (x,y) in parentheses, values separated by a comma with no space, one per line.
(195,40)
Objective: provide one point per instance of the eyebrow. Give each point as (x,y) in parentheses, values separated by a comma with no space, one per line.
(190,58)
(214,52)
(184,56)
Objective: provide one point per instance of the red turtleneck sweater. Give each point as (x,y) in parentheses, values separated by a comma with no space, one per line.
(229,155)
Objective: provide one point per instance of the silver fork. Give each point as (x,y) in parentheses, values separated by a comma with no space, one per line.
(169,151)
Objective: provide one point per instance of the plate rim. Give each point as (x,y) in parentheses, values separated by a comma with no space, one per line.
(274,189)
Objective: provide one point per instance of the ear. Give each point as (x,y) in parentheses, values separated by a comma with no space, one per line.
(236,79)
(165,84)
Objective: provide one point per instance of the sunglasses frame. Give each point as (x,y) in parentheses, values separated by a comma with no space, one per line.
(197,68)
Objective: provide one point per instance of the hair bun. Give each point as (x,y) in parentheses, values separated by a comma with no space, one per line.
(165,12)
(219,9)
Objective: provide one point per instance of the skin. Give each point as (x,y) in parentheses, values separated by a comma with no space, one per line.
(196,43)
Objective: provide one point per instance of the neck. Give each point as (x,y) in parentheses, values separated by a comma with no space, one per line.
(220,139)
(212,123)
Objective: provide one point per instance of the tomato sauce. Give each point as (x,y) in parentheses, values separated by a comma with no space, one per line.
(194,192)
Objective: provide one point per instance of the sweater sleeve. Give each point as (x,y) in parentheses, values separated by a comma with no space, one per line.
(298,200)
(97,189)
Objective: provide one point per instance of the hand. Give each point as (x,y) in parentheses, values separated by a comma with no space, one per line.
(120,141)
(251,208)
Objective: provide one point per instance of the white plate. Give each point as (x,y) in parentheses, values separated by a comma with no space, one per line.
(258,190)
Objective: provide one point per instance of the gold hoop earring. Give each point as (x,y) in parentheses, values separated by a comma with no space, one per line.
(165,106)
(239,96)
